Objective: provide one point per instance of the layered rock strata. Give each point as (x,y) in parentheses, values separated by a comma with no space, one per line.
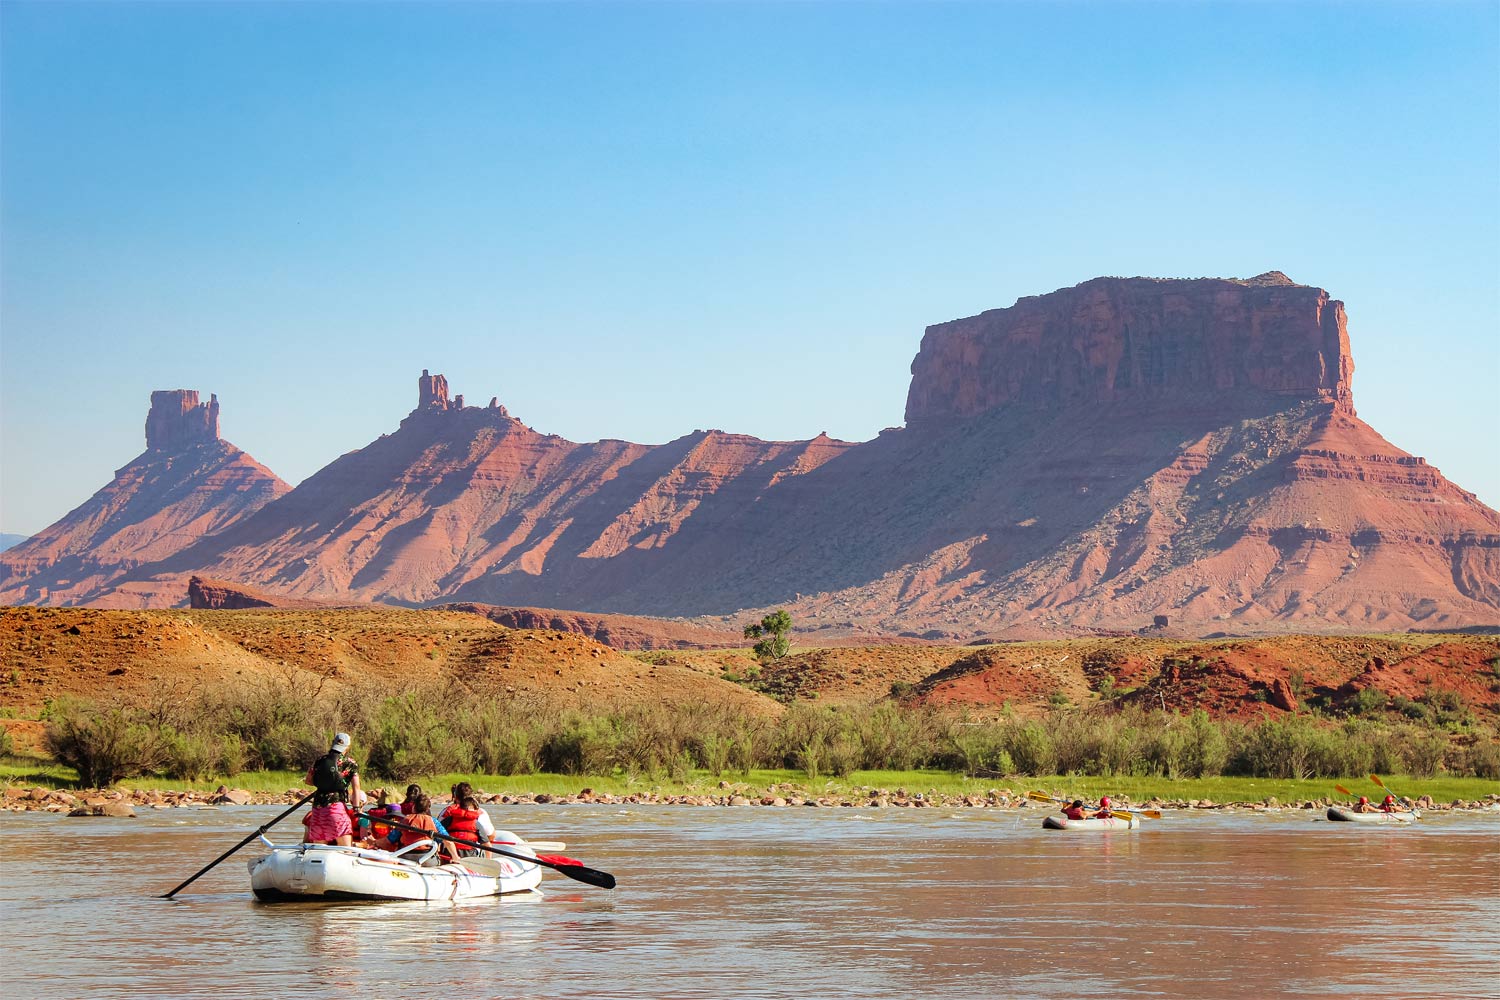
(1088,460)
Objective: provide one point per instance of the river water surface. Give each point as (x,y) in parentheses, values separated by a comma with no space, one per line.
(757,902)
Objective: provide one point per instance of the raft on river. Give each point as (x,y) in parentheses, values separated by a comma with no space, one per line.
(1342,815)
(320,871)
(1116,822)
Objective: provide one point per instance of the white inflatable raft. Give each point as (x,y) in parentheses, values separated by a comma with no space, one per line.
(1092,823)
(1342,815)
(319,871)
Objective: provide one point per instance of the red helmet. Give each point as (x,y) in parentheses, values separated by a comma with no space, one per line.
(1363,800)
(1104,802)
(1390,798)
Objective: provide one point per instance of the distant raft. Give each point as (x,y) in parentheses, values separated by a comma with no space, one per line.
(1116,822)
(1342,815)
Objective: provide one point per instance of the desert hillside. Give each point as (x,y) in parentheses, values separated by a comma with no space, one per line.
(145,657)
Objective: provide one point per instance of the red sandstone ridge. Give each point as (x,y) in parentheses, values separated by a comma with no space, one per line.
(186,485)
(1081,462)
(211,595)
(616,631)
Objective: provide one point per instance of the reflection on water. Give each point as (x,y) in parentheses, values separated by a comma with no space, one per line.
(784,903)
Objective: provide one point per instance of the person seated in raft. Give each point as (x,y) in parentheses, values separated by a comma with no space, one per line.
(483,830)
(1074,810)
(334,775)
(462,820)
(1389,805)
(1103,812)
(409,807)
(421,820)
(377,834)
(1364,805)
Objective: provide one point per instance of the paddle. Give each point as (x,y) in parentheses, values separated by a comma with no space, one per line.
(1148,813)
(1376,778)
(535,845)
(258,831)
(577,872)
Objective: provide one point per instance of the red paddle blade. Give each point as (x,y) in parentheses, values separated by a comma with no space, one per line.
(559,859)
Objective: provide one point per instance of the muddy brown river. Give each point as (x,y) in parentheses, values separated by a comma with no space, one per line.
(755,902)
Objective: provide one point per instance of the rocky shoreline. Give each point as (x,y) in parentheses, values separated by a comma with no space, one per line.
(126,802)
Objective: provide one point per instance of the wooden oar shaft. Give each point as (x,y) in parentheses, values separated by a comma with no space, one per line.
(258,831)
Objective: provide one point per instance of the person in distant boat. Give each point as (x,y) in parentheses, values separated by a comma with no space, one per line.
(1104,812)
(1364,805)
(1074,810)
(1389,805)
(420,819)
(334,776)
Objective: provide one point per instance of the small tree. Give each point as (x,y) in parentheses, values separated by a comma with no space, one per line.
(772,633)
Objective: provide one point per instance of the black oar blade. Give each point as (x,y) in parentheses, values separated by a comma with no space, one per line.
(592,876)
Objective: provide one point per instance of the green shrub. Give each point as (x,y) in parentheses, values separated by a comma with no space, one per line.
(190,756)
(1030,747)
(102,748)
(411,737)
(1482,760)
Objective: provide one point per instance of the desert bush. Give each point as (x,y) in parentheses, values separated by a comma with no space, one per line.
(189,756)
(283,722)
(1030,747)
(102,747)
(578,744)
(503,737)
(411,737)
(981,748)
(713,752)
(7,747)
(1423,754)
(1482,760)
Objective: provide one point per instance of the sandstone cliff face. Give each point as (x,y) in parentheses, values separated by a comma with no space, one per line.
(1084,461)
(186,485)
(222,595)
(177,420)
(1114,340)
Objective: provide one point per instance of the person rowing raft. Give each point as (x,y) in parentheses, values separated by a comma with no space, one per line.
(1074,810)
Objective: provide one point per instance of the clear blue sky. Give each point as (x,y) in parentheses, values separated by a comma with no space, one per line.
(633,221)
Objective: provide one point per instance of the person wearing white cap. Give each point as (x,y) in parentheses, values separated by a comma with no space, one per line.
(336,778)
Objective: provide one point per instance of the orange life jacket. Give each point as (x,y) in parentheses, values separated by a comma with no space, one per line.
(425,829)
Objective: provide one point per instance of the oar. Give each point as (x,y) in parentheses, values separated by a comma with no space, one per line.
(1148,813)
(535,845)
(258,831)
(1342,790)
(579,873)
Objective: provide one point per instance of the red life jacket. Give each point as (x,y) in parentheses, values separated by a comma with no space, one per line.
(461,823)
(380,830)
